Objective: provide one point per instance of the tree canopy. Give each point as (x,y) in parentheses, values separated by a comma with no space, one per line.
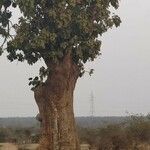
(49,29)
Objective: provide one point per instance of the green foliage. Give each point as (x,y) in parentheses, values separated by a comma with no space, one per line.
(43,73)
(49,29)
(5,16)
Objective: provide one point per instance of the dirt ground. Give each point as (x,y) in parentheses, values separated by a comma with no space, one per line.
(29,146)
(8,146)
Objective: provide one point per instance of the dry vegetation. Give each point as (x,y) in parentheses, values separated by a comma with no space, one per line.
(133,134)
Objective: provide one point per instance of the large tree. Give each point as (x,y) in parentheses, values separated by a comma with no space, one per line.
(65,34)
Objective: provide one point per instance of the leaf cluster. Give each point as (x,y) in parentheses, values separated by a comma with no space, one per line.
(48,29)
(5,15)
(43,73)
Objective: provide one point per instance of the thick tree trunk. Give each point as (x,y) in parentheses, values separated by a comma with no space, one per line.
(55,101)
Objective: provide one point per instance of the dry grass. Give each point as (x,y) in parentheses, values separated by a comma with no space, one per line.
(28,146)
(9,146)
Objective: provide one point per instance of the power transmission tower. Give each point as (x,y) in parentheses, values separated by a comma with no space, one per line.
(92,108)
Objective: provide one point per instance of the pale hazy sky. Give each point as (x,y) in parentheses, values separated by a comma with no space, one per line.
(120,83)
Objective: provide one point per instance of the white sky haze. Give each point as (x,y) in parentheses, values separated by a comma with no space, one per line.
(121,80)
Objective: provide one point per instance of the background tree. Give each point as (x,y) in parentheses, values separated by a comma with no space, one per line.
(65,34)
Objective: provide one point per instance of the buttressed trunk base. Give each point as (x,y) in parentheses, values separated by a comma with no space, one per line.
(55,101)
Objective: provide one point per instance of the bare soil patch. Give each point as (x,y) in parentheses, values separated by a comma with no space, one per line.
(8,146)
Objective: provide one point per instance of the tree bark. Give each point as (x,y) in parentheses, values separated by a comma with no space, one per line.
(55,102)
